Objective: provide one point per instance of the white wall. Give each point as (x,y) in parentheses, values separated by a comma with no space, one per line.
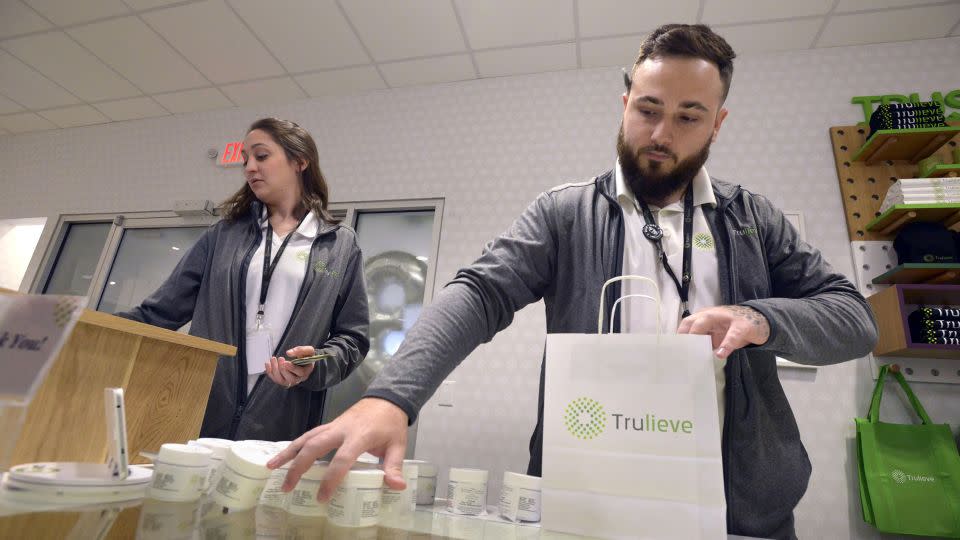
(18,239)
(489,147)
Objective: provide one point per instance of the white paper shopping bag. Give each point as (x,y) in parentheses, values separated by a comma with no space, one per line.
(632,437)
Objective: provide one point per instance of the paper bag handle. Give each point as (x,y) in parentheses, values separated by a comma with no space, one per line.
(603,291)
(874,413)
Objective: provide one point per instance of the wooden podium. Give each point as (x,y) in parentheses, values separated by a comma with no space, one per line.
(165,377)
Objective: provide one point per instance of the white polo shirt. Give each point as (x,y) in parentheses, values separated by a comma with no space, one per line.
(640,257)
(285,283)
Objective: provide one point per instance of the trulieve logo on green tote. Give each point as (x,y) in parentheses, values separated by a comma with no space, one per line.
(586,419)
(901,477)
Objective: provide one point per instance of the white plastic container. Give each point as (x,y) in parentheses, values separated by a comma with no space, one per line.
(244,476)
(356,502)
(303,498)
(426,481)
(467,491)
(366,461)
(520,497)
(180,473)
(402,502)
(161,520)
(219,447)
(273,494)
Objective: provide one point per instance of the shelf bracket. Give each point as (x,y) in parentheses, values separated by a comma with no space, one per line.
(934,143)
(953,222)
(890,141)
(901,221)
(943,277)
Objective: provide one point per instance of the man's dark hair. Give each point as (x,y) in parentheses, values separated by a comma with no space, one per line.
(693,41)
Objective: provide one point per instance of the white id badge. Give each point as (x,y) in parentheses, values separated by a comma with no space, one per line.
(259,350)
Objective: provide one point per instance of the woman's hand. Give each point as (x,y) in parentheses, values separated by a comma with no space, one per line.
(285,373)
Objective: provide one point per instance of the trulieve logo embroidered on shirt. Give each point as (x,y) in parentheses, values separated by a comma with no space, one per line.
(320,267)
(703,242)
(586,419)
(901,477)
(303,255)
(746,231)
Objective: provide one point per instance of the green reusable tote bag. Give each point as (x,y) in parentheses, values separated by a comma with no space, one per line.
(909,473)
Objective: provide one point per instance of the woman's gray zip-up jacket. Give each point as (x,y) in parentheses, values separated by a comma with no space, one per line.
(207,288)
(563,248)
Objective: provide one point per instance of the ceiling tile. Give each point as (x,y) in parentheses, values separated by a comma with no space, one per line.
(897,25)
(620,52)
(28,87)
(8,106)
(738,11)
(505,23)
(131,109)
(64,12)
(201,99)
(75,116)
(266,91)
(139,54)
(866,5)
(318,37)
(71,66)
(24,122)
(428,71)
(341,81)
(614,17)
(215,40)
(408,29)
(504,62)
(769,37)
(147,4)
(16,18)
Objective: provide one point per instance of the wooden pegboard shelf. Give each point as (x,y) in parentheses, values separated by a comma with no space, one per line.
(931,274)
(942,170)
(892,307)
(889,222)
(904,144)
(863,185)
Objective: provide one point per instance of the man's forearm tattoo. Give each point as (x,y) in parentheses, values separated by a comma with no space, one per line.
(755,318)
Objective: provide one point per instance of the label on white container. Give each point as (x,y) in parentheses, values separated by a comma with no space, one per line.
(238,492)
(303,499)
(426,489)
(177,482)
(355,507)
(519,504)
(272,494)
(467,498)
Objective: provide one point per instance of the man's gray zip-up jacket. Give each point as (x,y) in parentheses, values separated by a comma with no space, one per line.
(208,289)
(570,241)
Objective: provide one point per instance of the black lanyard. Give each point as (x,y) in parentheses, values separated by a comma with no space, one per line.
(654,233)
(269,266)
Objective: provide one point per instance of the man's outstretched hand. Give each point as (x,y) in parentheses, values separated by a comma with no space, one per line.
(372,425)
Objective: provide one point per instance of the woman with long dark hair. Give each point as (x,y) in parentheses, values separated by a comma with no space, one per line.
(279,278)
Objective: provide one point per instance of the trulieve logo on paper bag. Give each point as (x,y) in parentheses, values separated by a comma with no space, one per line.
(901,477)
(586,419)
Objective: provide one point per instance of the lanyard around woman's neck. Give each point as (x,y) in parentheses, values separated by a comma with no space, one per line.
(269,266)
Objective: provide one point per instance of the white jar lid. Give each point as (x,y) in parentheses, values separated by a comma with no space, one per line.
(424,468)
(316,471)
(248,461)
(521,480)
(364,478)
(468,475)
(184,454)
(410,470)
(368,458)
(218,446)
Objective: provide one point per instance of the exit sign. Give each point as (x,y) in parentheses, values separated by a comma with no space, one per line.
(231,156)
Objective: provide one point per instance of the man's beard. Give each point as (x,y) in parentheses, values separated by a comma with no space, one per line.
(653,185)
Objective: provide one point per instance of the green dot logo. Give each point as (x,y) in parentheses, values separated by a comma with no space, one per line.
(585,418)
(703,242)
(898,476)
(928,258)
